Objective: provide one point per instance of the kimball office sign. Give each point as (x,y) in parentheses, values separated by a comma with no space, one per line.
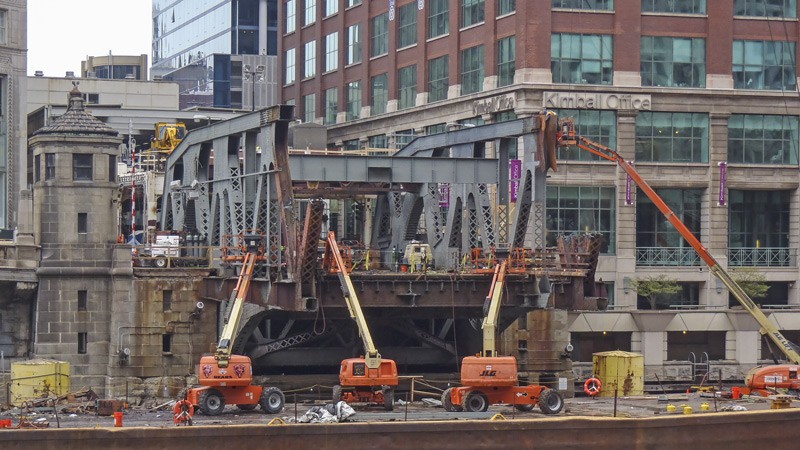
(596,100)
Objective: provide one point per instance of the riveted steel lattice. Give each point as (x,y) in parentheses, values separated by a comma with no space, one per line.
(523,210)
(502,224)
(456,225)
(397,203)
(312,230)
(435,211)
(473,230)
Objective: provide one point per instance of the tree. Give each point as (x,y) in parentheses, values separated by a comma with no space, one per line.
(752,282)
(652,286)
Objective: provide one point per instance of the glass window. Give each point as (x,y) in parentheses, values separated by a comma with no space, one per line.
(764,65)
(438,18)
(379,39)
(83,222)
(37,168)
(354,44)
(760,139)
(332,51)
(407,25)
(506,7)
(291,16)
(403,137)
(597,125)
(406,87)
(576,210)
(331,106)
(82,167)
(112,168)
(310,68)
(438,78)
(582,58)
(353,100)
(49,166)
(83,342)
(472,12)
(506,60)
(671,137)
(331,7)
(309,108)
(353,3)
(436,129)
(311,11)
(83,300)
(351,144)
(675,6)
(765,8)
(677,62)
(606,5)
(472,70)
(379,141)
(3,26)
(289,75)
(758,219)
(654,230)
(379,87)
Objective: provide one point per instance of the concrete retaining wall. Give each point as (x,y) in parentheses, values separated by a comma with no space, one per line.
(774,430)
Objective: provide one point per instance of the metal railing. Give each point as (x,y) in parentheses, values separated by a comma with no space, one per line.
(666,256)
(762,257)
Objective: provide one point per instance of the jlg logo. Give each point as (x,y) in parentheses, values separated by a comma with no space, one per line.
(488,373)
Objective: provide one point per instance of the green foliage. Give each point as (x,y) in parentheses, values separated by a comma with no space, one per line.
(652,286)
(752,282)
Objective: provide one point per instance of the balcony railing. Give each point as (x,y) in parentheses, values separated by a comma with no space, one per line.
(762,257)
(666,256)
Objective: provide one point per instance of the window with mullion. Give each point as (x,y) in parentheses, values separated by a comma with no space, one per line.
(354,44)
(603,5)
(438,18)
(472,12)
(762,139)
(291,16)
(472,70)
(438,78)
(406,87)
(765,8)
(379,93)
(353,100)
(674,6)
(576,210)
(677,62)
(506,7)
(582,58)
(653,230)
(671,137)
(311,12)
(379,39)
(331,7)
(289,76)
(597,125)
(309,108)
(331,106)
(332,51)
(407,25)
(506,60)
(758,218)
(82,167)
(764,65)
(310,66)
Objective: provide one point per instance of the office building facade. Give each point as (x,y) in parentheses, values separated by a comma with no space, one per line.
(222,53)
(701,95)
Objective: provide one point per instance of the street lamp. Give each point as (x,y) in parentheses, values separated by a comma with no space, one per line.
(255,76)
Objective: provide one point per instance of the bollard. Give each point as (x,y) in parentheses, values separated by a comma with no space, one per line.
(705,406)
(687,410)
(671,408)
(118,419)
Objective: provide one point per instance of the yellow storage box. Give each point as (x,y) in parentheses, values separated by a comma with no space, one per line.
(619,370)
(38,378)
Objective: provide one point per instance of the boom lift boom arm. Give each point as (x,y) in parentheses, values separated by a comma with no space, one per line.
(567,137)
(489,324)
(372,357)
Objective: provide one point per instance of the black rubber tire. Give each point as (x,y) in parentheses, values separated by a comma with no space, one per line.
(550,401)
(272,400)
(160,263)
(246,407)
(447,401)
(475,401)
(212,402)
(388,398)
(524,408)
(336,394)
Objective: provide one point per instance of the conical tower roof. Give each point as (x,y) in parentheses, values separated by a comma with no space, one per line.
(76,120)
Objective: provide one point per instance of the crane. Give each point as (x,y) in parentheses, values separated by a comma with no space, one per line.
(369,378)
(491,379)
(759,378)
(223,376)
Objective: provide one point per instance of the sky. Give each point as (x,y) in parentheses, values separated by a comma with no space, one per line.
(62,33)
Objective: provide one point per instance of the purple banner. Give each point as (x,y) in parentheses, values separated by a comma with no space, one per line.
(723,182)
(444,195)
(515,170)
(628,190)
